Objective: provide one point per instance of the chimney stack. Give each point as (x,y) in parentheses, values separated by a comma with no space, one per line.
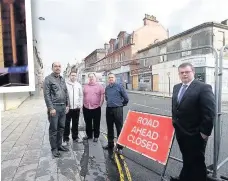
(149,19)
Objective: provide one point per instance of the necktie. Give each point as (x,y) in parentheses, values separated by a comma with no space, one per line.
(184,87)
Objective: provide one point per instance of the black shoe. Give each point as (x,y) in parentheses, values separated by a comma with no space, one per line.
(67,143)
(55,153)
(86,138)
(95,140)
(76,140)
(119,151)
(62,148)
(108,147)
(174,179)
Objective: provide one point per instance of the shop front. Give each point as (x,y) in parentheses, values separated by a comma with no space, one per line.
(145,82)
(142,79)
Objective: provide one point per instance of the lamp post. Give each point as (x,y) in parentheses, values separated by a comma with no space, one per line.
(168,74)
(41,18)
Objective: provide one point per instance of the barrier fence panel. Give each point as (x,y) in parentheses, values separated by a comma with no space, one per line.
(167,74)
(222,146)
(164,77)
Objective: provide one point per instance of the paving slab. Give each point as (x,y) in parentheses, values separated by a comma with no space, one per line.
(26,153)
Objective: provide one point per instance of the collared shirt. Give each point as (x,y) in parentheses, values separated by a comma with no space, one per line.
(116,95)
(188,84)
(92,94)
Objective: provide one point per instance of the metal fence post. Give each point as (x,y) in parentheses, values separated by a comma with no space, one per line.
(217,137)
(217,90)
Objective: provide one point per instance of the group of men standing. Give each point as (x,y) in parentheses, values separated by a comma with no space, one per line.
(193,114)
(66,99)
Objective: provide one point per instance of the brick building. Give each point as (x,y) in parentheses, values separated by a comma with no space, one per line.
(126,45)
(95,57)
(13,41)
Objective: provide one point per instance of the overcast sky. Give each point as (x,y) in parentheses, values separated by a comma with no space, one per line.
(74,28)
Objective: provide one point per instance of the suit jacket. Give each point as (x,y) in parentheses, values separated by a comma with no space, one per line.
(196,111)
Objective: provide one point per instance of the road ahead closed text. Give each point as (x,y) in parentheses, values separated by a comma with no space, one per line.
(148,134)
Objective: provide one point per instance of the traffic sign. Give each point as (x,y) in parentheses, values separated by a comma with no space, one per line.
(148,134)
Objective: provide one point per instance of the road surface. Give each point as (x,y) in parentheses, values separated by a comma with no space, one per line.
(144,169)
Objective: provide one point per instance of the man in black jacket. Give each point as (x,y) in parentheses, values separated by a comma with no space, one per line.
(57,102)
(193,113)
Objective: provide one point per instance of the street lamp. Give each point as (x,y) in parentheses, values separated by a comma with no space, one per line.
(41,18)
(169,82)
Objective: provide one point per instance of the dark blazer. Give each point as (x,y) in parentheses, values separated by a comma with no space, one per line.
(196,111)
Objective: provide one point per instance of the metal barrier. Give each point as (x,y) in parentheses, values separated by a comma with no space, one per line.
(214,166)
(218,146)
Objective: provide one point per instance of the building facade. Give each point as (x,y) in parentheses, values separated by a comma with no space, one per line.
(94,57)
(165,68)
(123,49)
(80,75)
(38,70)
(142,73)
(13,50)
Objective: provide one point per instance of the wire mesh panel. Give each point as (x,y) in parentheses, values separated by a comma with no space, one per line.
(155,97)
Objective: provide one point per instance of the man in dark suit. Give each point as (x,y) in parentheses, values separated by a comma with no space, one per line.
(193,113)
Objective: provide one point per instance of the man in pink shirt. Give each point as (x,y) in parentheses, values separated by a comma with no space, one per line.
(93,94)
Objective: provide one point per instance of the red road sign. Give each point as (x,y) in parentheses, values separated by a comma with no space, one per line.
(148,134)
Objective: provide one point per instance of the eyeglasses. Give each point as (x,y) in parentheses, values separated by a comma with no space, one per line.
(185,72)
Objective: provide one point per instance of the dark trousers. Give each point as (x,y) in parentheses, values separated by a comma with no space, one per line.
(73,115)
(193,154)
(57,125)
(114,116)
(92,119)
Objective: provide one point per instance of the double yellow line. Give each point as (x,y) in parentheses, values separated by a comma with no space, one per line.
(119,166)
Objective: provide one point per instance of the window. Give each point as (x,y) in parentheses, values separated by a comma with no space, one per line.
(123,56)
(220,39)
(121,42)
(145,62)
(186,44)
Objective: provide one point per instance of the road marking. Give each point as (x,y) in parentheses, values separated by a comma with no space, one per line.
(149,107)
(119,167)
(126,168)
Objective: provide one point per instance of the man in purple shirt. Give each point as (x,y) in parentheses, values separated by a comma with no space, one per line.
(93,94)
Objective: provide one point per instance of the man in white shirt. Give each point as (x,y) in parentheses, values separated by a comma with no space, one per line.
(75,96)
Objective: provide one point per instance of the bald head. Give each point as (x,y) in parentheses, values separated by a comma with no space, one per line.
(56,67)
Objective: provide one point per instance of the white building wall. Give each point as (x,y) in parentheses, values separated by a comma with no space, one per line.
(163,70)
(1,102)
(218,38)
(171,68)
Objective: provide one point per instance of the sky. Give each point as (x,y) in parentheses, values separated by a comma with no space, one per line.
(72,29)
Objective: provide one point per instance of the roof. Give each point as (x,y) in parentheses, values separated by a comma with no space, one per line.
(204,25)
(121,32)
(100,50)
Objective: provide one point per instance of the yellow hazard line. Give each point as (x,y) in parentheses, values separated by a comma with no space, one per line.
(126,168)
(120,167)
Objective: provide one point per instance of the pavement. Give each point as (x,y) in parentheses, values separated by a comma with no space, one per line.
(26,153)
(155,94)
